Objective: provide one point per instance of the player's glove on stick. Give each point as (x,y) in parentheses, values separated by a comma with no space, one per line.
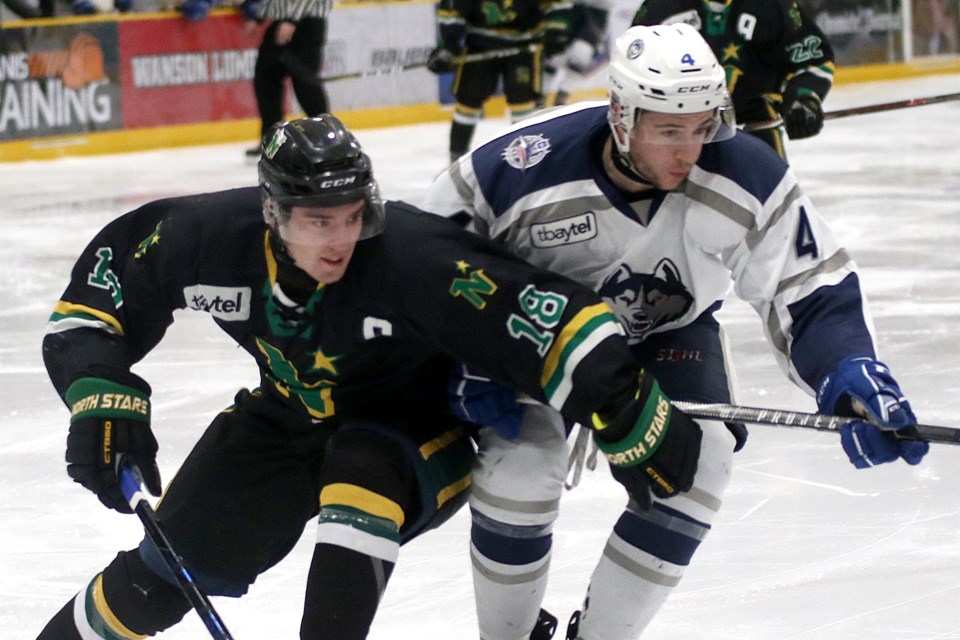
(650,444)
(480,400)
(802,113)
(555,41)
(441,60)
(109,421)
(863,387)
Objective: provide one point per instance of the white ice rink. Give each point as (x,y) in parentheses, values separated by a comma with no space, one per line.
(805,546)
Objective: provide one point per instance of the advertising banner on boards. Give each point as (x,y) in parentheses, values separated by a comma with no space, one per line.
(861,31)
(179,72)
(58,80)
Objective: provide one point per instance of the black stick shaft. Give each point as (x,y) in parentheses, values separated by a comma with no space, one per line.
(132,490)
(889,106)
(856,111)
(820,422)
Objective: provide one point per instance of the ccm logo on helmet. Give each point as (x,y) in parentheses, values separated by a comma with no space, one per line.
(703,87)
(338,182)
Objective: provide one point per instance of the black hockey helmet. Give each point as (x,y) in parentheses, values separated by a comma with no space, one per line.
(317,162)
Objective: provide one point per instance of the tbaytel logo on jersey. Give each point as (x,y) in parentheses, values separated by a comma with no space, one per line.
(225,303)
(645,301)
(526,151)
(566,231)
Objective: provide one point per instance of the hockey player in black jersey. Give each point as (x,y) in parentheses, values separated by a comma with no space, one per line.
(538,28)
(356,311)
(779,63)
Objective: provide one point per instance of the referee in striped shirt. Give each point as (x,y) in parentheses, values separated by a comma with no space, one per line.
(292,46)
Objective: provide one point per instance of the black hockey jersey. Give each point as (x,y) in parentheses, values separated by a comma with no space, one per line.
(765,46)
(499,23)
(379,343)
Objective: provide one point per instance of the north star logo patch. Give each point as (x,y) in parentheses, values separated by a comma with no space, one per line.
(279,137)
(474,287)
(152,239)
(526,151)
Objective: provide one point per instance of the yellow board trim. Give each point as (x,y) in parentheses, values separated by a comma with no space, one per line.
(100,602)
(898,70)
(351,495)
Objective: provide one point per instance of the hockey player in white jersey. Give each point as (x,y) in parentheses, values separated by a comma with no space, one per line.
(655,201)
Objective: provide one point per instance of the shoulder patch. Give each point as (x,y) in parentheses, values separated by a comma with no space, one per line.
(526,151)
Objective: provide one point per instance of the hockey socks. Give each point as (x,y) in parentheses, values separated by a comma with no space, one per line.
(344,588)
(125,602)
(510,565)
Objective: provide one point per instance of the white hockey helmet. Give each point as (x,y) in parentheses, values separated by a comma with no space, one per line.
(667,69)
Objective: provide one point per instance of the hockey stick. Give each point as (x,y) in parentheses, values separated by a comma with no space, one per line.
(856,111)
(132,486)
(818,421)
(302,72)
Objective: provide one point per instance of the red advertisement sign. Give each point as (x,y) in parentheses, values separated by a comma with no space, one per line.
(180,72)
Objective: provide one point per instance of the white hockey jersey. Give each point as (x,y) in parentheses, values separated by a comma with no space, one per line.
(663,260)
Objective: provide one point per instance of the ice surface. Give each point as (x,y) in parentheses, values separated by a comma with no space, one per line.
(805,546)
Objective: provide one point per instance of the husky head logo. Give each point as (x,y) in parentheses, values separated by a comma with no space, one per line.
(644,301)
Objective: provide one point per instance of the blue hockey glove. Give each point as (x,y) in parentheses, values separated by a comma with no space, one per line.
(196,10)
(109,421)
(863,387)
(802,113)
(651,445)
(482,401)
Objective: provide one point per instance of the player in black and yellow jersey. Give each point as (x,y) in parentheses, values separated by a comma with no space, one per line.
(779,63)
(356,311)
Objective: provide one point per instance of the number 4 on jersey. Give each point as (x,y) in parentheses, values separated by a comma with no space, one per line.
(806,243)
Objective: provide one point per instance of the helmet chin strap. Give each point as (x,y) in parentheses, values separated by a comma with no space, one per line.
(294,282)
(625,166)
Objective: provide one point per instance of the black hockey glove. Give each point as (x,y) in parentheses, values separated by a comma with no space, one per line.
(441,60)
(555,41)
(110,421)
(650,444)
(802,113)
